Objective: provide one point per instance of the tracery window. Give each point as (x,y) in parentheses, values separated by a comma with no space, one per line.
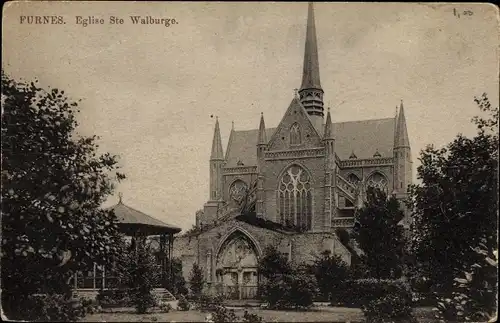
(295,198)
(295,138)
(353,179)
(238,191)
(377,180)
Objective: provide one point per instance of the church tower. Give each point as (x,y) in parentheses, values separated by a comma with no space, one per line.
(311,93)
(402,156)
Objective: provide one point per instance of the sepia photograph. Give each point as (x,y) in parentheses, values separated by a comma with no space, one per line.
(190,161)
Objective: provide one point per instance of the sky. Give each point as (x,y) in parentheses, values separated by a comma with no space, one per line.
(151,92)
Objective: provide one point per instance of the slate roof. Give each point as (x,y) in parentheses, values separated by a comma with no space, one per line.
(130,217)
(242,146)
(363,138)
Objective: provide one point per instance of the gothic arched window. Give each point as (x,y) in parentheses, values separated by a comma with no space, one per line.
(377,180)
(353,179)
(295,198)
(238,190)
(295,138)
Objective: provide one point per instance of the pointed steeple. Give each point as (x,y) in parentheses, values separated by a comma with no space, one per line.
(217,153)
(262,140)
(311,93)
(310,76)
(401,137)
(328,126)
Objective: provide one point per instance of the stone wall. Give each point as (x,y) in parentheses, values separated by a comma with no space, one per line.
(203,249)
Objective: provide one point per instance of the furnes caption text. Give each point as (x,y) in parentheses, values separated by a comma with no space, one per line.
(86,21)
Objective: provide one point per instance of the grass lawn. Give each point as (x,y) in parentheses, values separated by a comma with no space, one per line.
(316,315)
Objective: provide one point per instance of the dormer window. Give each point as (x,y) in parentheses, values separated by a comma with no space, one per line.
(353,156)
(295,134)
(240,163)
(377,154)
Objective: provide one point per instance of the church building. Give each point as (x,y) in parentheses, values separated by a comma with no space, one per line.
(294,187)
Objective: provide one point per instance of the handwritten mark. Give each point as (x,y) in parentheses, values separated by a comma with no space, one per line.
(457,13)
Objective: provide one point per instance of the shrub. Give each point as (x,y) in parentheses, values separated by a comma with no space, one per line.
(389,308)
(251,318)
(209,303)
(293,290)
(331,274)
(220,314)
(114,298)
(53,308)
(302,290)
(359,293)
(183,303)
(196,281)
(165,307)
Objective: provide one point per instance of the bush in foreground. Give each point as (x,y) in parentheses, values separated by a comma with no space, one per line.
(389,308)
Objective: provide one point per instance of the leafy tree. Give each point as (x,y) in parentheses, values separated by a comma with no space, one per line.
(474,294)
(196,281)
(331,273)
(53,184)
(456,204)
(380,236)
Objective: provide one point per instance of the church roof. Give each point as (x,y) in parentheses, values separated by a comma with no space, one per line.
(363,138)
(242,147)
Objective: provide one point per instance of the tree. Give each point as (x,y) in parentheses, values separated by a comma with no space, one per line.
(331,273)
(380,236)
(196,280)
(456,204)
(178,281)
(53,184)
(143,273)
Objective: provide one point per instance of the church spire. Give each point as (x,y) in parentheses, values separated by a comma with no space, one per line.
(311,93)
(401,137)
(310,76)
(217,153)
(262,140)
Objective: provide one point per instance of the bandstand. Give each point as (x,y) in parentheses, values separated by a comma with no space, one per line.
(137,226)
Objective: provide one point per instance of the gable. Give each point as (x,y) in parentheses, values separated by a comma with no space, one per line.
(295,126)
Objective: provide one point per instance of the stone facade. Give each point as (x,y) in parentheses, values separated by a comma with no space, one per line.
(307,173)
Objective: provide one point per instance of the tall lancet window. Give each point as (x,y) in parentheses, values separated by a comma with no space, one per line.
(295,138)
(295,198)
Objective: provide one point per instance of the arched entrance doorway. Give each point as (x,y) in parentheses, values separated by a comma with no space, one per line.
(236,267)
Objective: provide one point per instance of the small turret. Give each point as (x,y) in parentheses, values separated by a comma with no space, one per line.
(402,155)
(261,148)
(216,163)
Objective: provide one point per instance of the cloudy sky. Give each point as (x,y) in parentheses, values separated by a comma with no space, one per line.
(149,90)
